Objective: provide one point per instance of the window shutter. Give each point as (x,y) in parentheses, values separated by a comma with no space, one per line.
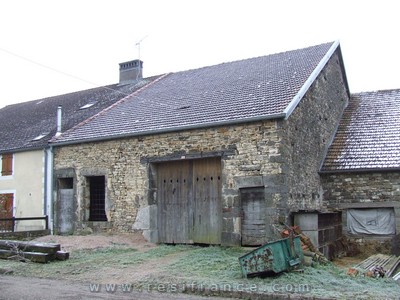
(6,165)
(6,202)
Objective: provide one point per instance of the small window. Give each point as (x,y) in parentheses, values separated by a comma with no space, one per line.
(6,164)
(66,183)
(97,192)
(87,105)
(39,137)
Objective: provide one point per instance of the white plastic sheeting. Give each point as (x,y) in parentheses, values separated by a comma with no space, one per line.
(376,221)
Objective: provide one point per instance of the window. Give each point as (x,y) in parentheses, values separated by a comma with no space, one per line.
(97,198)
(90,104)
(6,164)
(40,136)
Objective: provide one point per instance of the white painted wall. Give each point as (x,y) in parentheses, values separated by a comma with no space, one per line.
(27,182)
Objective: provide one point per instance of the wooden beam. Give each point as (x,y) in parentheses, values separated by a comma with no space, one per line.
(23,256)
(62,255)
(30,246)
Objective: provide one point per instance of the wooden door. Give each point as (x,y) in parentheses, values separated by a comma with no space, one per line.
(66,212)
(6,211)
(173,202)
(253,216)
(206,221)
(189,201)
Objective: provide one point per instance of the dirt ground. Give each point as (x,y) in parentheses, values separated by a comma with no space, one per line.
(94,241)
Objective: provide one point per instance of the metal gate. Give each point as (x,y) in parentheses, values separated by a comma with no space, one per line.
(189,201)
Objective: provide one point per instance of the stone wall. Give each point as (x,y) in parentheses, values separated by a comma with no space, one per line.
(361,187)
(246,150)
(307,134)
(363,190)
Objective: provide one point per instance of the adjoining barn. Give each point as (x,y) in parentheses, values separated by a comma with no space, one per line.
(216,155)
(361,171)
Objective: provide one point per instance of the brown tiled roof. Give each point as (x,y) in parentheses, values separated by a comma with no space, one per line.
(368,136)
(240,91)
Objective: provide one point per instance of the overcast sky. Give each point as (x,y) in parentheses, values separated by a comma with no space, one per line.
(52,47)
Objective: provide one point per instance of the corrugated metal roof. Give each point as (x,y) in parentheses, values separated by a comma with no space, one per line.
(256,88)
(368,136)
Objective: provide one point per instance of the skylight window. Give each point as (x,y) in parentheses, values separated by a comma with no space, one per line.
(39,137)
(87,105)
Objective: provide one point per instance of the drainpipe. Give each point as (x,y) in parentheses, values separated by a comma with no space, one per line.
(48,206)
(49,173)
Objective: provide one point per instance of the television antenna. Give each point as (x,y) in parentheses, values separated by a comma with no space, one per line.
(138,45)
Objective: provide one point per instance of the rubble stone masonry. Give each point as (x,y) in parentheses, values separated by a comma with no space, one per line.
(245,150)
(306,136)
(363,190)
(361,187)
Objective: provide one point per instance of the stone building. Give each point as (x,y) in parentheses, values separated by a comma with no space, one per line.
(216,155)
(26,160)
(361,170)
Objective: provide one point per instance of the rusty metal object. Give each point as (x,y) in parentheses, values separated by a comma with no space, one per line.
(272,258)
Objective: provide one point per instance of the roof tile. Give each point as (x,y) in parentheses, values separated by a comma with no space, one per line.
(21,123)
(244,90)
(368,136)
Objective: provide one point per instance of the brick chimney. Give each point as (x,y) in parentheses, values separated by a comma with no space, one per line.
(130,71)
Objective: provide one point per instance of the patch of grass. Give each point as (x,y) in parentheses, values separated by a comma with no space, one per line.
(85,261)
(211,262)
(210,267)
(218,266)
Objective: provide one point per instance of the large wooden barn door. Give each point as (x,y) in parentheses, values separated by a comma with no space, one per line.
(189,201)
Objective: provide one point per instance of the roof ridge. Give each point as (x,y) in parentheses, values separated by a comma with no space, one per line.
(54,139)
(314,74)
(253,57)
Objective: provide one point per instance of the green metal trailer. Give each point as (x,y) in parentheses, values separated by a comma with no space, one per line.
(273,258)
